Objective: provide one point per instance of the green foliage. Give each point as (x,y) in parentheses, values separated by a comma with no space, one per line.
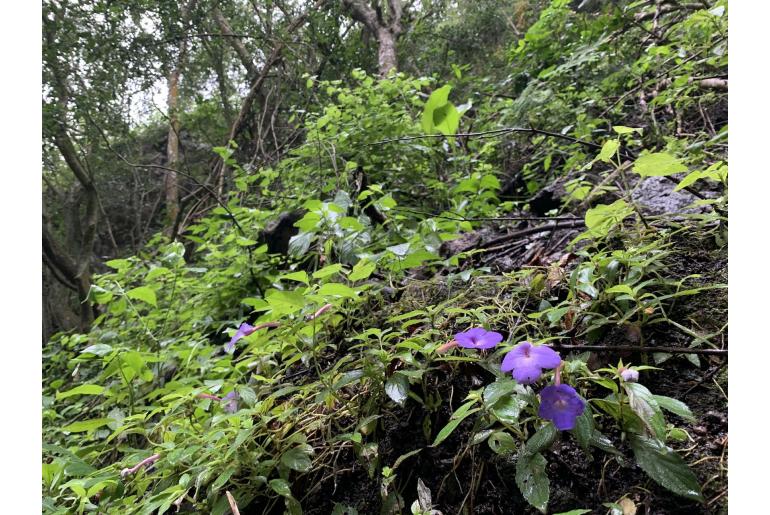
(352,316)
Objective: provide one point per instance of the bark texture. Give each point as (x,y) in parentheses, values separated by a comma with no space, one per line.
(386,31)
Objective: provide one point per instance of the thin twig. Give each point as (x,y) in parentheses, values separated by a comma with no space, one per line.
(608,348)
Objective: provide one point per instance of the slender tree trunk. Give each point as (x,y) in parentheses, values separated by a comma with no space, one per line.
(171,182)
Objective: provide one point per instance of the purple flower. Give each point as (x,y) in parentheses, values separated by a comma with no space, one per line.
(231,400)
(528,361)
(478,338)
(562,405)
(629,375)
(244,330)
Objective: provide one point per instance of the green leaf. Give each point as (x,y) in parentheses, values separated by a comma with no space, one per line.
(532,480)
(495,391)
(300,276)
(542,439)
(362,270)
(675,406)
(501,442)
(600,441)
(86,389)
(143,293)
(621,129)
(620,288)
(608,150)
(458,416)
(665,466)
(99,349)
(397,388)
(436,100)
(298,458)
(643,403)
(327,271)
(574,512)
(337,289)
(658,164)
(86,425)
(584,428)
(280,487)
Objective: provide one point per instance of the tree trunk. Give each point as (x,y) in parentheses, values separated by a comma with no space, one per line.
(171,182)
(385,31)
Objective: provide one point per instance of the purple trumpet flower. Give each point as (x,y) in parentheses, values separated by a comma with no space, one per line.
(526,362)
(231,402)
(244,330)
(478,338)
(562,405)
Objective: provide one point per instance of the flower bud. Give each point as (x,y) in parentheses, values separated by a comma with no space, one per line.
(629,375)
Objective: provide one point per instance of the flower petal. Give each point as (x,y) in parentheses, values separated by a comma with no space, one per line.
(244,330)
(489,339)
(562,405)
(545,357)
(527,374)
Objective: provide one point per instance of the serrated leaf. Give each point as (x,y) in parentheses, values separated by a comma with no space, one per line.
(665,466)
(643,403)
(542,439)
(532,480)
(584,428)
(143,293)
(658,164)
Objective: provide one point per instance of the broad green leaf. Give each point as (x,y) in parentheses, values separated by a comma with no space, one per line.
(675,406)
(495,391)
(298,458)
(300,276)
(397,388)
(584,428)
(300,243)
(143,293)
(99,349)
(86,425)
(327,271)
(501,442)
(532,480)
(281,487)
(608,151)
(508,408)
(362,270)
(542,439)
(436,100)
(574,512)
(665,466)
(86,389)
(643,403)
(658,164)
(337,289)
